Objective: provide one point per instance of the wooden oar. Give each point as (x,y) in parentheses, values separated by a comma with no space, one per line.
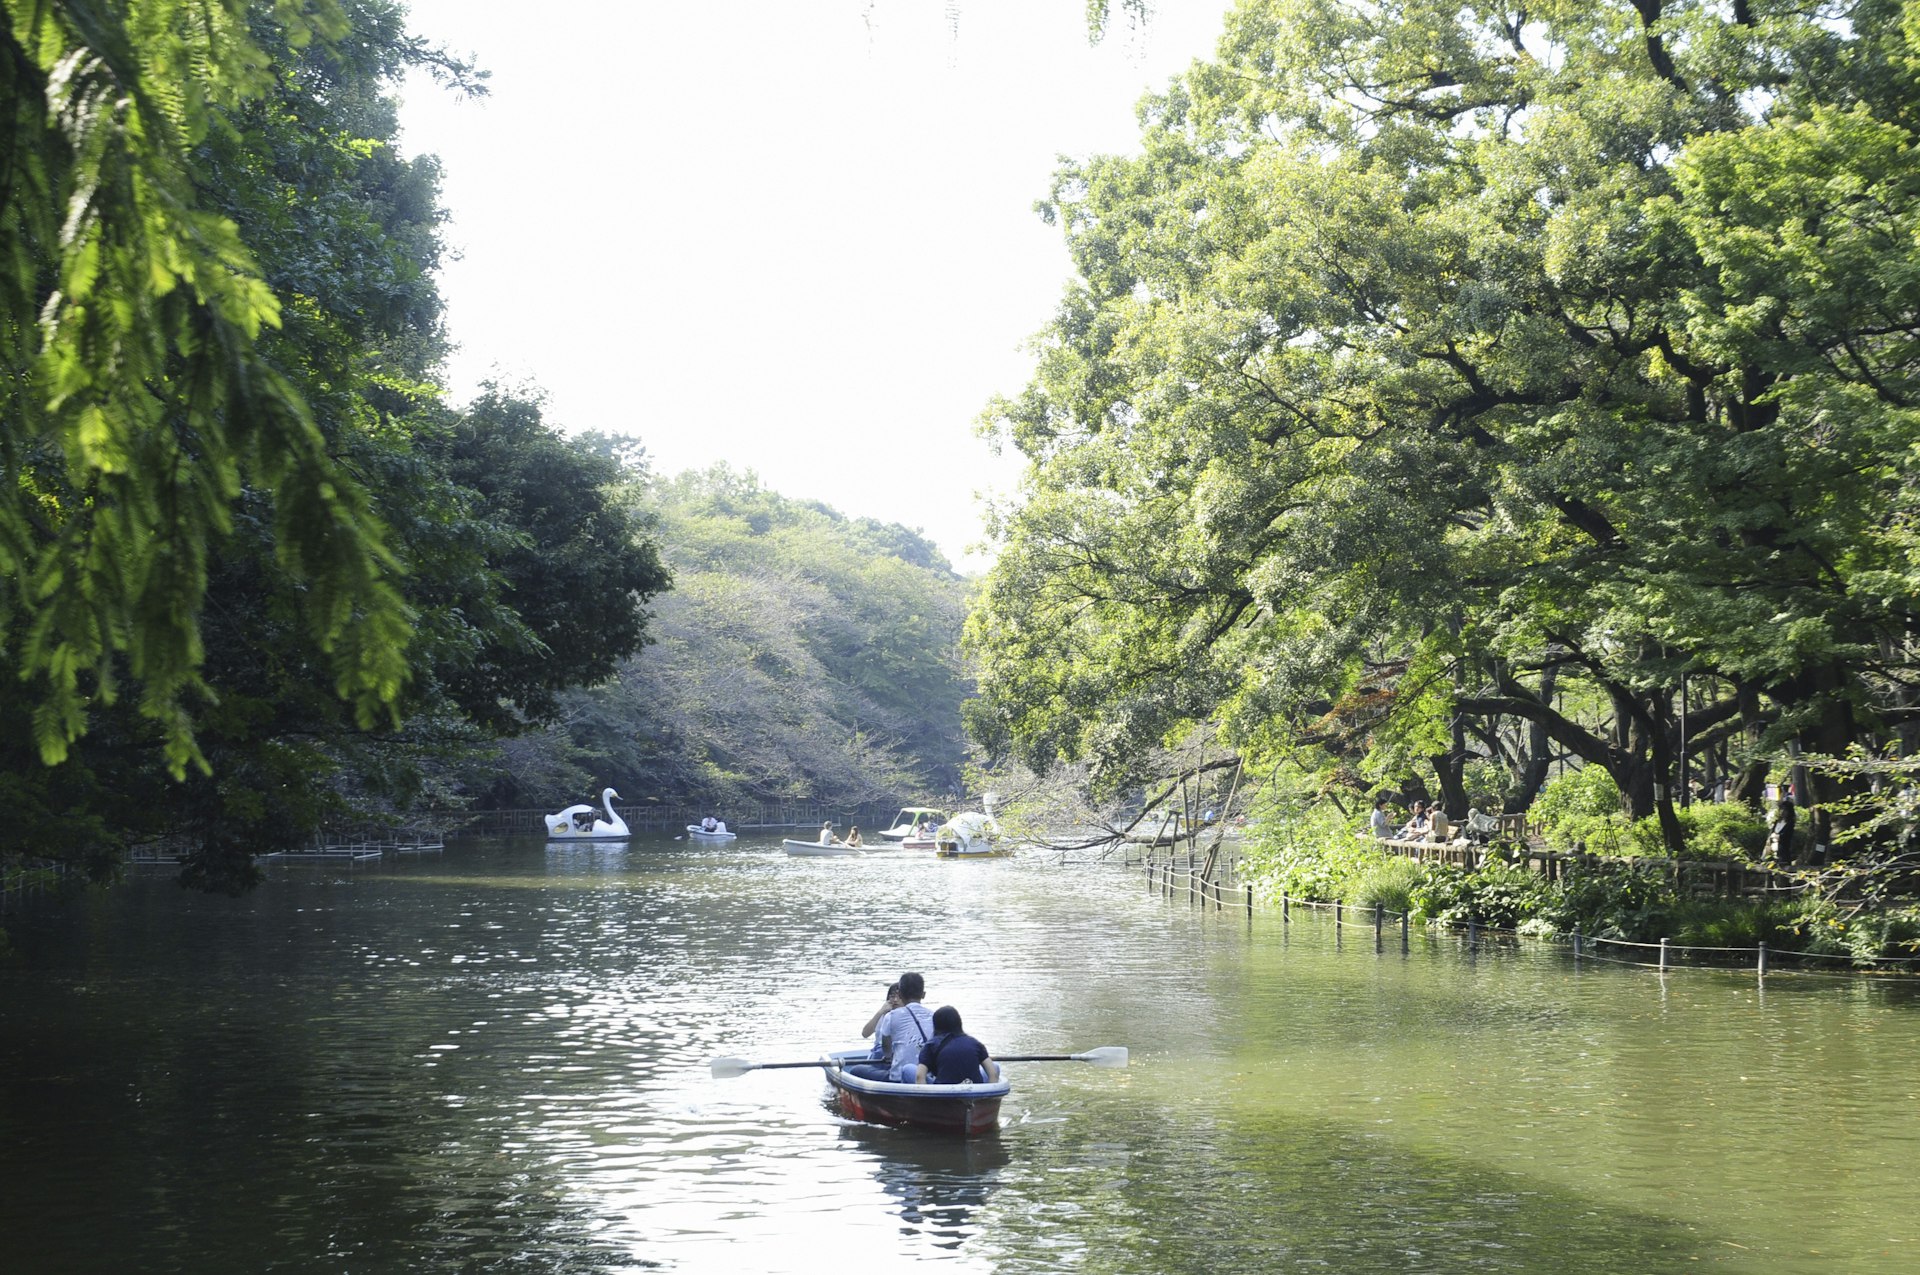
(1105,1056)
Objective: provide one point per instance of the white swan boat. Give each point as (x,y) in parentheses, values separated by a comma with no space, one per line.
(578,823)
(970,836)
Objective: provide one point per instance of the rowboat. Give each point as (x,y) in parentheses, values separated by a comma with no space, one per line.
(968,1110)
(696,833)
(815,850)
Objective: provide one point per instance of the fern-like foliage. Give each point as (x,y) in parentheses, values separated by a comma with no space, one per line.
(135,403)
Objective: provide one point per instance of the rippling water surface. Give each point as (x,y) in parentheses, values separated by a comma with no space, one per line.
(494,1060)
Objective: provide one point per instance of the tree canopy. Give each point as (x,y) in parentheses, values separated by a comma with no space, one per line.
(230,479)
(139,401)
(1437,367)
(801,655)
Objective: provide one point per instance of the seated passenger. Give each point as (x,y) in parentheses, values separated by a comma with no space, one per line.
(826,834)
(952,1057)
(887,1006)
(901,1033)
(853,836)
(706,825)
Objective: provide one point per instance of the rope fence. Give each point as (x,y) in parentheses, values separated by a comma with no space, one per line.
(1170,880)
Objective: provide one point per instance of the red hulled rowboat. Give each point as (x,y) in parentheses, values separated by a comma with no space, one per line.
(967,1110)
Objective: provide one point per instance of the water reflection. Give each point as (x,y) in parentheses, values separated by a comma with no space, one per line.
(938,1183)
(494,1060)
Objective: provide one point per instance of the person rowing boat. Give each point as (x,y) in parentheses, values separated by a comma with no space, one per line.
(901,1033)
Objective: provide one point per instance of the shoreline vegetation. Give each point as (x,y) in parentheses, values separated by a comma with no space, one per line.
(1623,897)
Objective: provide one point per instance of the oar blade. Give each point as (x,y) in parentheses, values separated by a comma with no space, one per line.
(1105,1056)
(728,1068)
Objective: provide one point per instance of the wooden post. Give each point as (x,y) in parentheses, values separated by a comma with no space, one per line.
(1576,947)
(1663,956)
(1249,904)
(1286,909)
(1378,917)
(1337,926)
(1762,966)
(1404,922)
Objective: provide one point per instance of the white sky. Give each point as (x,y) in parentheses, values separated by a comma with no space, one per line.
(793,235)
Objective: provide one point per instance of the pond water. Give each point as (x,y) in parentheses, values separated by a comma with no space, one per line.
(494,1060)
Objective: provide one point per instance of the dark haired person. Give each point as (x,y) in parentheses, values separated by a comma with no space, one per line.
(952,1057)
(887,1006)
(901,1032)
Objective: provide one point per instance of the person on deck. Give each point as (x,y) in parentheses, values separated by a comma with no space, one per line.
(902,1031)
(952,1057)
(1381,823)
(1417,826)
(826,834)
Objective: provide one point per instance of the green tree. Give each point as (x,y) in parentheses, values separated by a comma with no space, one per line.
(1428,352)
(137,401)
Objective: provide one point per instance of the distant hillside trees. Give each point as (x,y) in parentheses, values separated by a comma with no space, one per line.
(801,654)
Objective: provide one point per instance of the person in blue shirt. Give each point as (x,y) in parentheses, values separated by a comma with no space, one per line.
(952,1057)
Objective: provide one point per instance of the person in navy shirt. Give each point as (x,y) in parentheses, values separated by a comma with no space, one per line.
(952,1057)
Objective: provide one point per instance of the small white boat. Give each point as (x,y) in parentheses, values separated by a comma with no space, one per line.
(696,833)
(818,849)
(909,818)
(577,823)
(970,836)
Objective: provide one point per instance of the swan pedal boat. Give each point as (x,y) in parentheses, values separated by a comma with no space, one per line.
(562,826)
(968,1110)
(697,833)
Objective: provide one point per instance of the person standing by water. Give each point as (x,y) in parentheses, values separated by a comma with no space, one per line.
(902,1032)
(1381,822)
(952,1057)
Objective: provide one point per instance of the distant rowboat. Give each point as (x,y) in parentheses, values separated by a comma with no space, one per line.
(817,850)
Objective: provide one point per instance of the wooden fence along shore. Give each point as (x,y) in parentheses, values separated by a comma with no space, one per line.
(1171,880)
